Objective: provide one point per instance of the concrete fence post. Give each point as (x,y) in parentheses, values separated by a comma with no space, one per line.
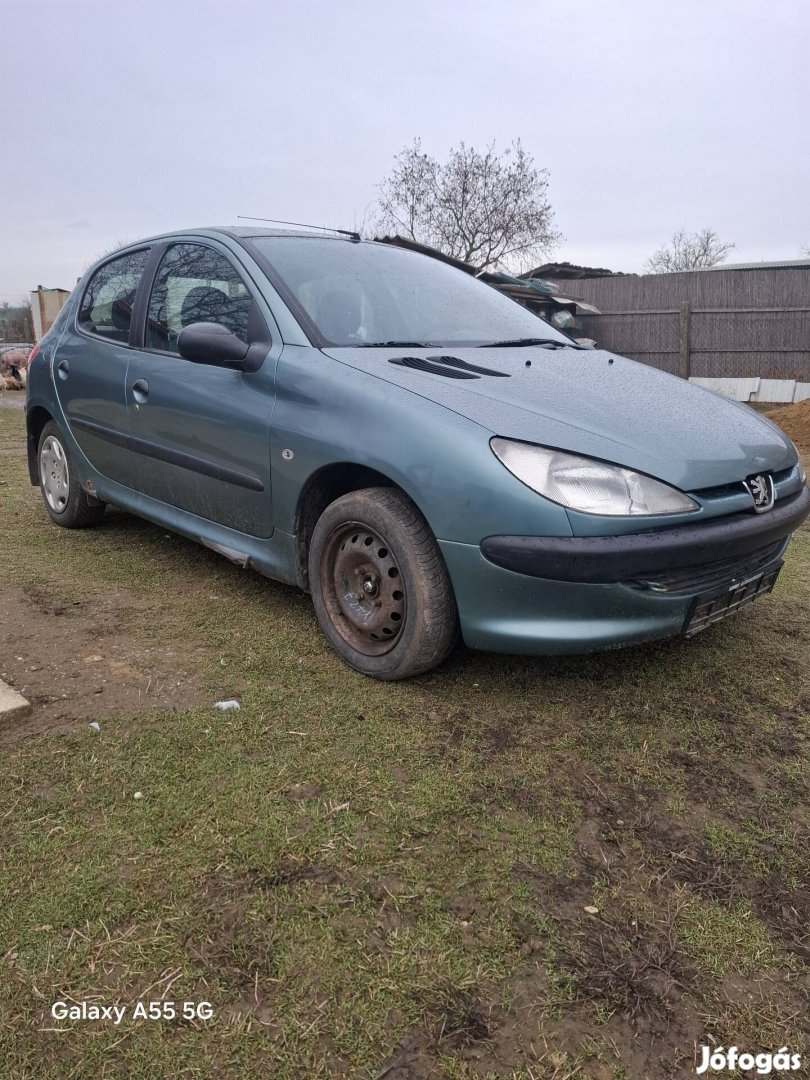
(684,365)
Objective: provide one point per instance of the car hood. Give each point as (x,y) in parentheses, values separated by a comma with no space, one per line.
(595,403)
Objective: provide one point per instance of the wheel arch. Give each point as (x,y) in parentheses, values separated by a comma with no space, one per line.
(35,420)
(322,488)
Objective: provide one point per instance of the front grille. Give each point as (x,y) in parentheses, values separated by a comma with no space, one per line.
(692,579)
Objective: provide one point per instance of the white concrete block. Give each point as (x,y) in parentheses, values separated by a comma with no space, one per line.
(738,389)
(776,390)
(13,706)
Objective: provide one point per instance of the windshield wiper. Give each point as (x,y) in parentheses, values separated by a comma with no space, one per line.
(396,345)
(514,342)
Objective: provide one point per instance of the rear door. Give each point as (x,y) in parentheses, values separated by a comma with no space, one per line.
(91,365)
(201,432)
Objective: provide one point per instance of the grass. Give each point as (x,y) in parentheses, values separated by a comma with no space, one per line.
(368,879)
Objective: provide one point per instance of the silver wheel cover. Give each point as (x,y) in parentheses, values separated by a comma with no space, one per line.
(53,469)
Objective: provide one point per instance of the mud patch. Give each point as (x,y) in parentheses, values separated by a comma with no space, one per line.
(234,946)
(504,1035)
(686,859)
(80,660)
(464,1027)
(488,733)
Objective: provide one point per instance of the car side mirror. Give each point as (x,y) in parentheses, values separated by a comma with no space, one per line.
(210,343)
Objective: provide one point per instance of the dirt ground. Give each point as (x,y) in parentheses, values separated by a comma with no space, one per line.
(795,422)
(12,399)
(83,660)
(570,869)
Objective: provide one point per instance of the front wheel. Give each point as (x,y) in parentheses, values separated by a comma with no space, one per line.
(64,499)
(380,588)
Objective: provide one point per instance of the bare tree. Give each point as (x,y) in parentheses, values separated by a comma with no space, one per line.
(806,251)
(16,321)
(482,207)
(688,251)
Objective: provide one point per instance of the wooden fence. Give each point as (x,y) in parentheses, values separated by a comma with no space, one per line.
(709,323)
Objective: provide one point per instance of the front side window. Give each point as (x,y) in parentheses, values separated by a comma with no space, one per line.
(372,294)
(195,284)
(106,308)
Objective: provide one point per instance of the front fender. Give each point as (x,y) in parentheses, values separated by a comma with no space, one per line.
(328,412)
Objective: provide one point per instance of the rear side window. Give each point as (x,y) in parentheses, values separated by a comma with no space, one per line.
(106,308)
(195,284)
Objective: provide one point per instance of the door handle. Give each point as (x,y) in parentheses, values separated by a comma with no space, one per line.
(63,369)
(140,390)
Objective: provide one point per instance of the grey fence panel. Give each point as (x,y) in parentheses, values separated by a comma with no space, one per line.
(763,365)
(723,323)
(641,332)
(746,331)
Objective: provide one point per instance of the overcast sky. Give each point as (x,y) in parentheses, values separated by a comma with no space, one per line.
(126,119)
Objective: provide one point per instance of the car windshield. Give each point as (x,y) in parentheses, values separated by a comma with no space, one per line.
(364,294)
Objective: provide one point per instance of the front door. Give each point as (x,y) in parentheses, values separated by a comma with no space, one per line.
(91,366)
(200,433)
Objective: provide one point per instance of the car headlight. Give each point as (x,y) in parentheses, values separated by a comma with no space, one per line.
(582,483)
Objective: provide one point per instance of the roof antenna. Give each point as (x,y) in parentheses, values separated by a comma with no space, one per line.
(323,228)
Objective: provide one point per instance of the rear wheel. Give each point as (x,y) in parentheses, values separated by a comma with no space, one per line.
(64,499)
(380,588)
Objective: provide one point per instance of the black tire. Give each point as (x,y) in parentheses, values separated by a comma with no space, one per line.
(380,587)
(67,504)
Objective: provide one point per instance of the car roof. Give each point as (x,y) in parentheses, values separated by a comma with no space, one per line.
(240,232)
(248,231)
(235,232)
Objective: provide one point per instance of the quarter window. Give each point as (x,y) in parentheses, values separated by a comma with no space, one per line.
(195,284)
(106,307)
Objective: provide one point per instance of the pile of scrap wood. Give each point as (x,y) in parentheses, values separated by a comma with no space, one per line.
(13,380)
(13,366)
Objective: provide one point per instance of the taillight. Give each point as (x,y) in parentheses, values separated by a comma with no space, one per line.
(26,370)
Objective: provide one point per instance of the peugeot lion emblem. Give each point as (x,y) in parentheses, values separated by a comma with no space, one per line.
(760,488)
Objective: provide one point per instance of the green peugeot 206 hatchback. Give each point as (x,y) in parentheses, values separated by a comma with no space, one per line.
(422,454)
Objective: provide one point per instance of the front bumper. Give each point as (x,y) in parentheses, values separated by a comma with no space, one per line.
(631,589)
(648,555)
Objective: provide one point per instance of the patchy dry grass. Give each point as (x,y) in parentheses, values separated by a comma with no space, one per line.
(396,881)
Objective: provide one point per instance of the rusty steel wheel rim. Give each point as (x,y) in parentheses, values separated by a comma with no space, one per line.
(363,589)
